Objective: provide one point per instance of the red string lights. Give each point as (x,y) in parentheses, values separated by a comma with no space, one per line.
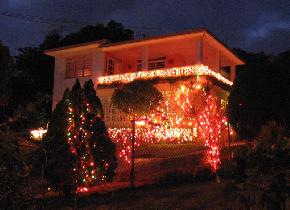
(187,114)
(86,172)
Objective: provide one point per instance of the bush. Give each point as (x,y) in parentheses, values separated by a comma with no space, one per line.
(12,174)
(203,174)
(226,170)
(271,133)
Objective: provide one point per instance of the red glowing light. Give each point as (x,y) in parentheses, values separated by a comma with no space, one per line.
(188,114)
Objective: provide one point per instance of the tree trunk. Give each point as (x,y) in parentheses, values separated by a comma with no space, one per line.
(229,136)
(133,153)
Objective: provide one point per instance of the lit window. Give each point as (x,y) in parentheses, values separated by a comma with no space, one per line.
(79,66)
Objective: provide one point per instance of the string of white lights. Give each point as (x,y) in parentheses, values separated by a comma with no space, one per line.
(193,70)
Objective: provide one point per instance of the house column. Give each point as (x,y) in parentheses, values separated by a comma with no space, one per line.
(233,73)
(199,50)
(98,65)
(144,58)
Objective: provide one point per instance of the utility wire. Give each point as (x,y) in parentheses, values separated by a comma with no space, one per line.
(73,23)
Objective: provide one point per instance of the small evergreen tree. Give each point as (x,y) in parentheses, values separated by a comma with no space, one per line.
(78,149)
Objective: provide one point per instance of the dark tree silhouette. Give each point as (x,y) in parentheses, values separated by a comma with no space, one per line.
(33,77)
(261,93)
(6,72)
(78,151)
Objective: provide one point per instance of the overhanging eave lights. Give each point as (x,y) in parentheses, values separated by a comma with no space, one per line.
(164,73)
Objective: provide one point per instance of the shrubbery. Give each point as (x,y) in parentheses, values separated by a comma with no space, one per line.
(12,174)
(260,171)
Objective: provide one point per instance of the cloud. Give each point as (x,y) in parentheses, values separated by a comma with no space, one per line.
(275,41)
(238,23)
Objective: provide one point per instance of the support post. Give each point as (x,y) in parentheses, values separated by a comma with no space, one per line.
(229,138)
(233,73)
(132,178)
(144,58)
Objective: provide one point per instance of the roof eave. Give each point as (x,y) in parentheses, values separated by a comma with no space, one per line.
(74,48)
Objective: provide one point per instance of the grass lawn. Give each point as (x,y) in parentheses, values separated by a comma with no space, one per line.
(166,150)
(191,196)
(182,196)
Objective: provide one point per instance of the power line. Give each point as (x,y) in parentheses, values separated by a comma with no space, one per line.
(40,19)
(70,23)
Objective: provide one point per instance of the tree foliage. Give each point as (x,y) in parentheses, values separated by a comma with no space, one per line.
(137,98)
(113,32)
(12,174)
(32,77)
(260,93)
(6,72)
(260,171)
(77,143)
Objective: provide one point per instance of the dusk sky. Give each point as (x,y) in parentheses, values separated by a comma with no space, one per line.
(253,25)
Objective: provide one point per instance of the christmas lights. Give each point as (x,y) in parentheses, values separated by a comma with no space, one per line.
(165,73)
(38,134)
(80,137)
(187,114)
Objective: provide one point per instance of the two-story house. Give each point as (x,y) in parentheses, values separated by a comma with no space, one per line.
(195,52)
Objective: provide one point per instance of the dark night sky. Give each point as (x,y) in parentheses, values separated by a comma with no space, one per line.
(254,25)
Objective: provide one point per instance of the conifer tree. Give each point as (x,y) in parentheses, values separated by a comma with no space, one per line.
(80,153)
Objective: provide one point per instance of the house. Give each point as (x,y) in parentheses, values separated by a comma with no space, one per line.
(195,52)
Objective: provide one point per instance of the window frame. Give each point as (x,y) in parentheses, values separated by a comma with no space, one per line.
(111,63)
(84,61)
(153,63)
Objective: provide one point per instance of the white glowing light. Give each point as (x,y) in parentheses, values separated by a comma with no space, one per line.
(38,134)
(195,70)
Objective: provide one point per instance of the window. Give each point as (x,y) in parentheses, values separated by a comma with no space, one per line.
(154,63)
(78,66)
(110,66)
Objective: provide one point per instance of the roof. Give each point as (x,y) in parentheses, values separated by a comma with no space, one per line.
(105,45)
(75,47)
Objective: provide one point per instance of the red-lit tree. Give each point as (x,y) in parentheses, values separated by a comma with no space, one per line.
(212,122)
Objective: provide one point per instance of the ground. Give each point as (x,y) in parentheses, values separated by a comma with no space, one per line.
(152,163)
(183,196)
